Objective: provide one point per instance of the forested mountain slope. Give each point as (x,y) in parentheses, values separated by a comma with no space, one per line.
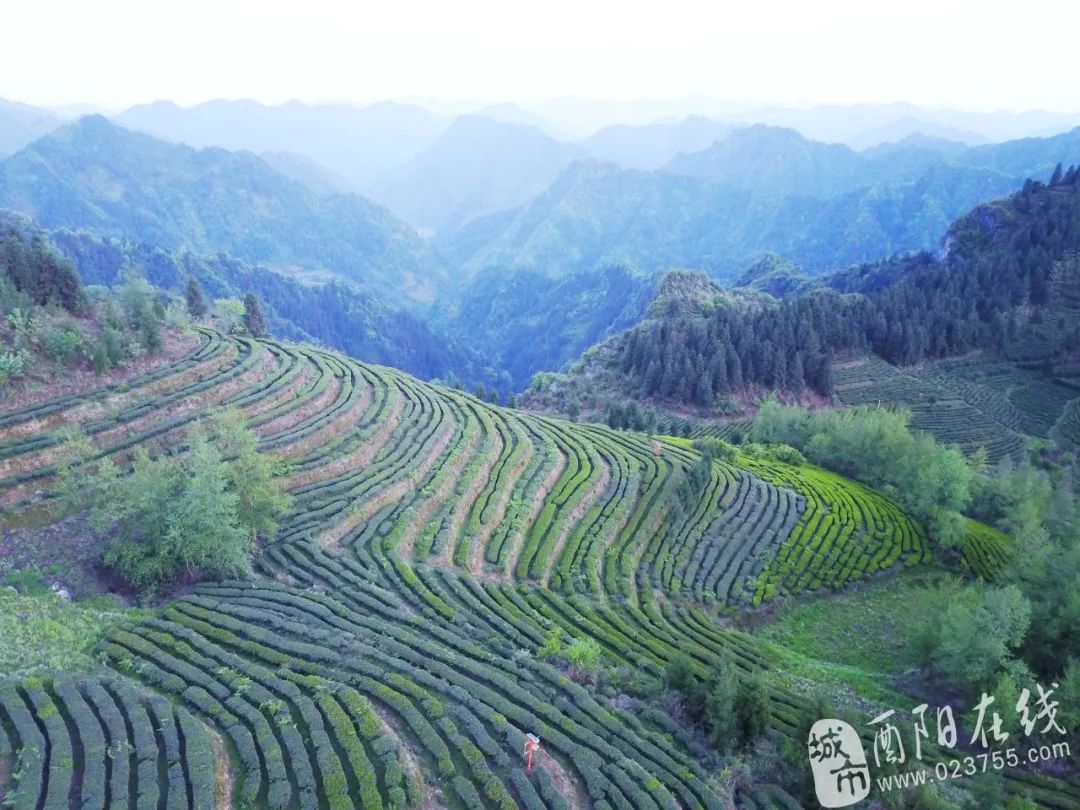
(1005,288)
(596,213)
(760,189)
(700,346)
(524,321)
(94,175)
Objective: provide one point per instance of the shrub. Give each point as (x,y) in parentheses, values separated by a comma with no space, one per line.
(64,344)
(142,309)
(12,364)
(181,516)
(717,449)
(752,708)
(583,654)
(229,313)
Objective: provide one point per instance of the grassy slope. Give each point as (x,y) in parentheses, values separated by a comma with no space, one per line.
(42,634)
(856,645)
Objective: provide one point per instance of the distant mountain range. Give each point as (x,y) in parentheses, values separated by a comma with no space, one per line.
(650,146)
(94,175)
(761,189)
(538,247)
(402,153)
(360,144)
(20,124)
(860,125)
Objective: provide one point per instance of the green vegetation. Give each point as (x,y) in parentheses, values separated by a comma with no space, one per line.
(195,299)
(43,634)
(378,586)
(51,324)
(760,189)
(294,308)
(875,445)
(972,639)
(526,260)
(446,576)
(179,517)
(31,268)
(97,742)
(866,628)
(254,319)
(527,322)
(186,203)
(978,404)
(986,632)
(732,711)
(339,269)
(982,372)
(449,576)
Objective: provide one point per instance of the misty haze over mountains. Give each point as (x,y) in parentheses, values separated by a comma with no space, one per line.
(439,166)
(398,129)
(468,231)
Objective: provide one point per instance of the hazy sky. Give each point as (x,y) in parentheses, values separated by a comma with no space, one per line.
(970,54)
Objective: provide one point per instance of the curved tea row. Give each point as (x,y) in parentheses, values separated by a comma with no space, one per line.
(388,653)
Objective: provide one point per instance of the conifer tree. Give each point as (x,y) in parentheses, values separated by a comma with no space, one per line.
(254,320)
(196,302)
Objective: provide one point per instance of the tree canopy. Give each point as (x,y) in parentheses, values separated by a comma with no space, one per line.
(183,515)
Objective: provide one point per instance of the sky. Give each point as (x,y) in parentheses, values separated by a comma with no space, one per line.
(964,54)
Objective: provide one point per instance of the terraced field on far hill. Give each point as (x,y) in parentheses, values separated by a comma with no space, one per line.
(386,655)
(970,403)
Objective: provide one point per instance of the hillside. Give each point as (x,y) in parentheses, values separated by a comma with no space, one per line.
(702,349)
(524,321)
(763,191)
(596,216)
(96,176)
(388,645)
(307,172)
(335,314)
(596,213)
(988,361)
(759,190)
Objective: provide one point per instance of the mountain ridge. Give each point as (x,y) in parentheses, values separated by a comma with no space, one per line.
(95,175)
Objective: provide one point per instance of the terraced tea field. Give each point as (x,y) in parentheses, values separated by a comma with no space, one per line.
(386,655)
(970,403)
